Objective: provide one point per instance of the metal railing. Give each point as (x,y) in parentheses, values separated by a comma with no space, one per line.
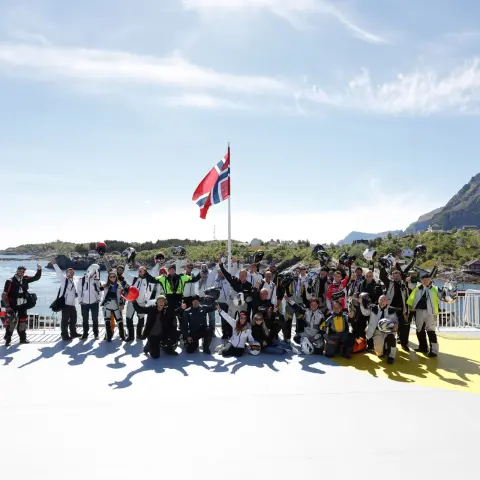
(464,313)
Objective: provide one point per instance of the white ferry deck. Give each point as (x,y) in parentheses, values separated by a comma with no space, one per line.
(93,410)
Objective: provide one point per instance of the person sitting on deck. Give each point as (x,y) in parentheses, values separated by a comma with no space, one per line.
(242,333)
(338,336)
(268,341)
(197,325)
(382,325)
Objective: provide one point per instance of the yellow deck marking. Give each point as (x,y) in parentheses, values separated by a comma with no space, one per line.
(457,367)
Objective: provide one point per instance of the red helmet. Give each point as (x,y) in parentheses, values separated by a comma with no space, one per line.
(130,293)
(101,248)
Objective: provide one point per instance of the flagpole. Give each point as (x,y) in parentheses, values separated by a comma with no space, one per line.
(229,214)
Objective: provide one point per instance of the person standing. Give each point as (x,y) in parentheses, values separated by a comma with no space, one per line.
(15,298)
(424,300)
(89,291)
(68,291)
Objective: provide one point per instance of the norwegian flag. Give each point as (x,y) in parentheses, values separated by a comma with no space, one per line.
(215,187)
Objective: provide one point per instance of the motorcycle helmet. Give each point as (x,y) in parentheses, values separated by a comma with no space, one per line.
(159,258)
(130,293)
(386,326)
(365,304)
(130,254)
(406,253)
(343,258)
(239,299)
(369,254)
(101,248)
(306,346)
(449,292)
(212,292)
(93,271)
(387,261)
(258,256)
(420,250)
(179,252)
(359,345)
(254,349)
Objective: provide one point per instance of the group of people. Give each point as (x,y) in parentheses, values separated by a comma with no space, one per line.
(336,311)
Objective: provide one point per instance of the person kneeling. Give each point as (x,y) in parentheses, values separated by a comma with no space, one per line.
(338,337)
(382,326)
(263,336)
(158,327)
(197,324)
(242,333)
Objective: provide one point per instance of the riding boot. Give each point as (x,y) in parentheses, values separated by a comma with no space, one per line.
(121,331)
(108,331)
(422,341)
(8,337)
(130,330)
(23,337)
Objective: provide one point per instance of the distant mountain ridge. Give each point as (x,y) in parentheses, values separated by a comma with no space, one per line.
(352,236)
(461,210)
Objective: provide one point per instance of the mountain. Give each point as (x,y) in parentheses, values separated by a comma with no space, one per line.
(462,209)
(352,236)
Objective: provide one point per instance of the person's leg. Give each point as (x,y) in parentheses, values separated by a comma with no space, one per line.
(108,326)
(331,345)
(72,324)
(193,346)
(22,330)
(154,346)
(287,329)
(379,343)
(431,327)
(391,348)
(95,307)
(207,340)
(140,322)
(129,319)
(85,309)
(403,330)
(420,322)
(347,344)
(64,323)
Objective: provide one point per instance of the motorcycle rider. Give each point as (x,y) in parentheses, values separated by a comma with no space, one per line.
(295,291)
(68,290)
(424,300)
(190,289)
(337,335)
(15,298)
(338,289)
(89,294)
(396,292)
(145,285)
(239,284)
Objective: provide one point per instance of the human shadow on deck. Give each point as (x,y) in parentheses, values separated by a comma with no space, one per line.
(160,365)
(6,352)
(128,350)
(46,353)
(411,364)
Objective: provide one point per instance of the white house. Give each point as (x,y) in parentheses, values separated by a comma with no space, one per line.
(435,228)
(256,242)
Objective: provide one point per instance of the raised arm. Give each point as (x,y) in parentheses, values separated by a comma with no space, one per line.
(226,274)
(59,273)
(36,277)
(226,317)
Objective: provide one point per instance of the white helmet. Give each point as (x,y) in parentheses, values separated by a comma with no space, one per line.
(306,346)
(129,253)
(254,349)
(239,299)
(93,270)
(385,325)
(449,292)
(369,254)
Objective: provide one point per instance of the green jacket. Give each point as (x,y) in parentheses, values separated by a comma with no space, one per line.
(175,284)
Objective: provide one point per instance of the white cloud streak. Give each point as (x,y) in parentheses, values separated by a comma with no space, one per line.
(184,84)
(288,9)
(116,66)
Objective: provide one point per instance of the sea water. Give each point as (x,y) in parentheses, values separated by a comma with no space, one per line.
(47,287)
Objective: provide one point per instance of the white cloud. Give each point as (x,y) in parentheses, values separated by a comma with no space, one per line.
(419,93)
(204,101)
(118,67)
(182,83)
(288,9)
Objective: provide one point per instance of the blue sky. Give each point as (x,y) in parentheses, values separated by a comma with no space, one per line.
(342,115)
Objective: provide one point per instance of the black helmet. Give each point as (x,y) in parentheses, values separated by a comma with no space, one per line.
(316,251)
(213,293)
(258,256)
(420,250)
(384,262)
